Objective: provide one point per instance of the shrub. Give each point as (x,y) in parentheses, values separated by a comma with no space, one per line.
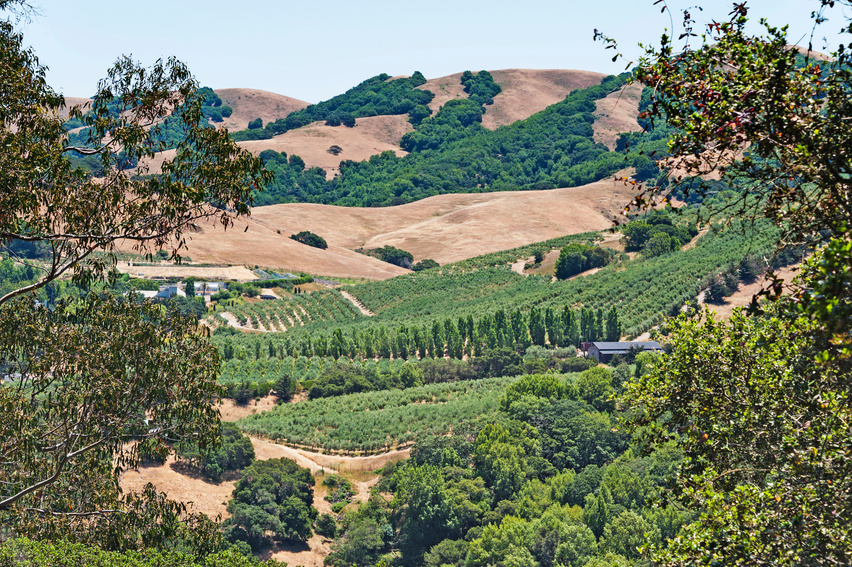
(311,239)
(326,526)
(576,258)
(391,255)
(235,452)
(425,264)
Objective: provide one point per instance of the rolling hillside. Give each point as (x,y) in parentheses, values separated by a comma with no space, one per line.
(446,228)
(524,93)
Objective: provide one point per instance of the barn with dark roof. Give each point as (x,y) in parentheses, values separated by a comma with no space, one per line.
(604,351)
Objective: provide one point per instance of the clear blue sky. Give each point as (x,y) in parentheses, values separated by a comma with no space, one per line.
(315,49)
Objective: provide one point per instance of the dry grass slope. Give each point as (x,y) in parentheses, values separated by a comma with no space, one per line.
(528,91)
(312,142)
(449,228)
(249,104)
(616,113)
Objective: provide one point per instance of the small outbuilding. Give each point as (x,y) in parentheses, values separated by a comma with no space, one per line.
(268,294)
(604,351)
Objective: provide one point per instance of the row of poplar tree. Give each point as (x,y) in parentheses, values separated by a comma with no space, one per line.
(465,337)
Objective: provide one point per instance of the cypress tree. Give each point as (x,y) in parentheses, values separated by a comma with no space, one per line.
(402,343)
(369,350)
(477,343)
(613,326)
(537,327)
(384,347)
(599,324)
(437,340)
(555,328)
(491,339)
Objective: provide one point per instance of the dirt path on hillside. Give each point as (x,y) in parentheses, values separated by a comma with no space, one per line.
(319,462)
(212,498)
(357,303)
(518,267)
(234,322)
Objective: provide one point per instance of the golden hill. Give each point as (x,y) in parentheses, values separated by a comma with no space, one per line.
(525,92)
(249,104)
(446,228)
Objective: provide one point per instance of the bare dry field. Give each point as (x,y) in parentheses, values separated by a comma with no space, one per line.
(742,297)
(207,497)
(528,91)
(525,91)
(255,241)
(71,101)
(230,411)
(449,228)
(249,104)
(444,89)
(616,113)
(446,228)
(233,273)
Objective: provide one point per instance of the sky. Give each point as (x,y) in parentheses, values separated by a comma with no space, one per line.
(314,50)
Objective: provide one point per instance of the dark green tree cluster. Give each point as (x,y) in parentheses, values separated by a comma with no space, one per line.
(577,258)
(458,119)
(377,96)
(311,239)
(213,109)
(391,255)
(234,453)
(272,502)
(656,234)
(552,482)
(425,264)
(290,172)
(480,87)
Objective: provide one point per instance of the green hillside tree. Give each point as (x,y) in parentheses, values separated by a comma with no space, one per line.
(91,383)
(272,500)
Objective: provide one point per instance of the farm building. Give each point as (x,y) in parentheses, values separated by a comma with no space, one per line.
(209,288)
(604,352)
(268,294)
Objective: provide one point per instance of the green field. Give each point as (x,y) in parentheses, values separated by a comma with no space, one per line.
(376,421)
(643,292)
